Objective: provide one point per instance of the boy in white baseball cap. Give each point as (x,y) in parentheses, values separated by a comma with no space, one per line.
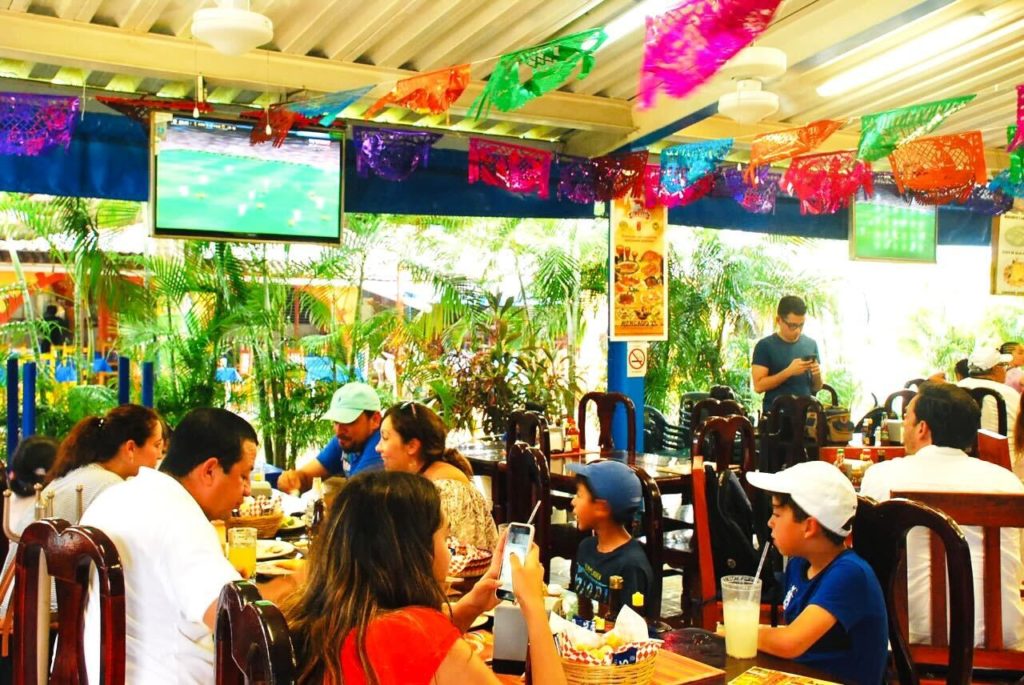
(834,608)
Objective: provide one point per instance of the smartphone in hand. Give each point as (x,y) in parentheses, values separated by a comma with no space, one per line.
(518,540)
(809,358)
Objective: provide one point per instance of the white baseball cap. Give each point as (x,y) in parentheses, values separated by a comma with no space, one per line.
(351,400)
(817,487)
(985,358)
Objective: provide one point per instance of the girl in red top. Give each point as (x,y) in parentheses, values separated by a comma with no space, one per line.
(374,610)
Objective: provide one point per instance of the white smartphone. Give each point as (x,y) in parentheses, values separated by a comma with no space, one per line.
(519,539)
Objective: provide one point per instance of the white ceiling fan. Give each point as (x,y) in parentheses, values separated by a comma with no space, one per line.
(232,27)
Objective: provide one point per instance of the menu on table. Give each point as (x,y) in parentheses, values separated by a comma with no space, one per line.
(763,676)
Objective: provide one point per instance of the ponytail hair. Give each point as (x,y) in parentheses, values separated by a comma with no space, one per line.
(413,420)
(97,439)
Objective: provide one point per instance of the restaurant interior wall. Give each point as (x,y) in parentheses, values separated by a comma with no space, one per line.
(109,158)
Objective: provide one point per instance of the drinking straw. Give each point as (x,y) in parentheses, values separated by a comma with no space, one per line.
(760,565)
(533,513)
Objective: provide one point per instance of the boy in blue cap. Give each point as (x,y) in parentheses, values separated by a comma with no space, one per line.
(608,495)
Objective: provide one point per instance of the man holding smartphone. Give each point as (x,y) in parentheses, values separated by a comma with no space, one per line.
(786,362)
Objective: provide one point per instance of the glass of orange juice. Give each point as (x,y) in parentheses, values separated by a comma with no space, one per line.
(242,550)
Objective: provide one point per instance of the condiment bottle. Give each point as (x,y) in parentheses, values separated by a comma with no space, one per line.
(637,602)
(840,457)
(317,516)
(614,597)
(572,435)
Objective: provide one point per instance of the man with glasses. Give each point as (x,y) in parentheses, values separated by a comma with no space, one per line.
(786,362)
(986,368)
(355,412)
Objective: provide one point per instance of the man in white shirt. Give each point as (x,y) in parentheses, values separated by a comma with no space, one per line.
(987,369)
(174,567)
(939,423)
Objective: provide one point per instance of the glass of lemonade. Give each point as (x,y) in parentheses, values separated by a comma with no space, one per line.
(741,604)
(242,550)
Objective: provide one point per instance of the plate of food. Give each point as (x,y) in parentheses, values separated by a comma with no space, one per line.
(279,567)
(291,524)
(272,549)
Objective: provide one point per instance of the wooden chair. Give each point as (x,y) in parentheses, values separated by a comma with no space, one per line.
(833,396)
(660,436)
(650,533)
(709,407)
(904,397)
(529,482)
(784,439)
(914,383)
(252,639)
(717,437)
(606,403)
(879,537)
(992,513)
(993,448)
(70,552)
(980,394)
(529,426)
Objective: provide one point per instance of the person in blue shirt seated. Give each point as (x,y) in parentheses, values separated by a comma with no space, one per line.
(355,411)
(786,362)
(834,607)
(608,496)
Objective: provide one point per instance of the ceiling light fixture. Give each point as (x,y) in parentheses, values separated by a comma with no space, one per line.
(231,27)
(633,19)
(913,52)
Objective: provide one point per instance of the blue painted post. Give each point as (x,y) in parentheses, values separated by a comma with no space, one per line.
(124,380)
(12,405)
(147,384)
(28,401)
(632,387)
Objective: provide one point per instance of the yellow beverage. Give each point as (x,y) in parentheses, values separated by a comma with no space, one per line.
(243,559)
(741,620)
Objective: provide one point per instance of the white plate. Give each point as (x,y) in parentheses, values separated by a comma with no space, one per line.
(270,568)
(271,549)
(479,621)
(291,523)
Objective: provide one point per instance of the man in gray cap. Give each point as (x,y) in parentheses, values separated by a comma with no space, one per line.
(355,411)
(987,369)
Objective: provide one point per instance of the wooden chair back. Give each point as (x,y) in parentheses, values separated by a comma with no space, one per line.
(528,482)
(992,513)
(980,394)
(606,402)
(904,396)
(993,448)
(705,610)
(706,408)
(530,427)
(54,548)
(252,639)
(784,440)
(914,383)
(653,538)
(717,437)
(880,538)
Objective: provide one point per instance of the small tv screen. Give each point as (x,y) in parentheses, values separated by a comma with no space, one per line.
(209,182)
(904,233)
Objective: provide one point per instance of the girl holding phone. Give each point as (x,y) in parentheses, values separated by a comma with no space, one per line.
(374,610)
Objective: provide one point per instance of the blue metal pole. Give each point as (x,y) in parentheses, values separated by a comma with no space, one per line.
(124,380)
(632,387)
(12,405)
(28,401)
(147,384)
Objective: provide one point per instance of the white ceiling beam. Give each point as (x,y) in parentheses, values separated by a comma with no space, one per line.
(84,10)
(15,5)
(450,49)
(403,44)
(47,40)
(303,31)
(367,24)
(142,15)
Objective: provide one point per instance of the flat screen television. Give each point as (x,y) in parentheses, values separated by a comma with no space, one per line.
(209,182)
(891,232)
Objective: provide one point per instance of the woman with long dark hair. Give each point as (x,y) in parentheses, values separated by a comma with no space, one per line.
(412,439)
(373,609)
(29,464)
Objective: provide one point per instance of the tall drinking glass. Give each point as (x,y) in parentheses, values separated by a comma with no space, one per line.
(242,550)
(741,604)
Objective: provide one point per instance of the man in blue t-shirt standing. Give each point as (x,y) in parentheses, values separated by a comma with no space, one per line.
(786,362)
(355,412)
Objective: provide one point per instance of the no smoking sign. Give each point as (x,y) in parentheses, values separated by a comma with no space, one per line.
(636,360)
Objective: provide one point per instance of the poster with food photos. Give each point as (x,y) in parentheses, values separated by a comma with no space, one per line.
(1008,254)
(639,271)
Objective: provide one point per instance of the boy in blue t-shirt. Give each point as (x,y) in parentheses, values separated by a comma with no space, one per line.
(834,608)
(608,495)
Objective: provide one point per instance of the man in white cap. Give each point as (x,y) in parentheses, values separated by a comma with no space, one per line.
(834,607)
(987,369)
(355,411)
(940,422)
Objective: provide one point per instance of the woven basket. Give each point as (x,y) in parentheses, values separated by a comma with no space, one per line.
(640,673)
(266,526)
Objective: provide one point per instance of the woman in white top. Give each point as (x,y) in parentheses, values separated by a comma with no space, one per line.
(97,453)
(28,467)
(412,439)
